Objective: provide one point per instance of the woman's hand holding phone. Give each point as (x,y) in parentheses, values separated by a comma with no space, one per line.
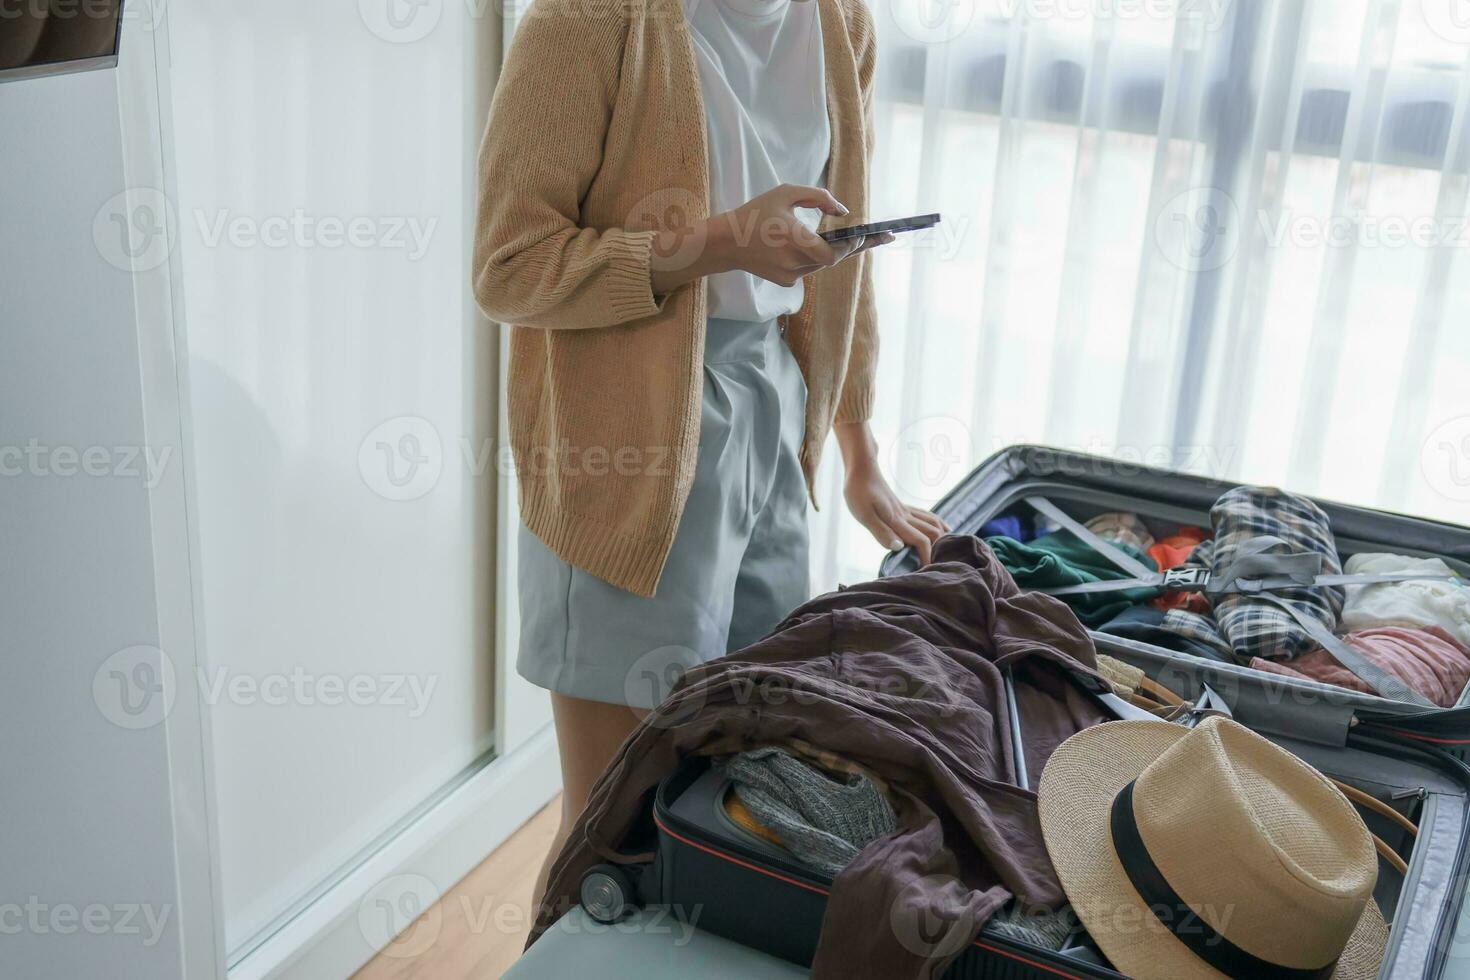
(766,237)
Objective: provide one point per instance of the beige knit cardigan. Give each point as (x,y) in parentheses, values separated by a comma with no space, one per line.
(596,141)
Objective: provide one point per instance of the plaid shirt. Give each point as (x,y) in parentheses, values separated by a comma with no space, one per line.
(1247,626)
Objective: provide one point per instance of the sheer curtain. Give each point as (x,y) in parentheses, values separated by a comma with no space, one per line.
(1227,236)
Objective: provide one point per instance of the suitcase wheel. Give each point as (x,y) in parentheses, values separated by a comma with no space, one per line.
(607,893)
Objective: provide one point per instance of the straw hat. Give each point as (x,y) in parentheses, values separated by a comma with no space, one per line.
(1275,866)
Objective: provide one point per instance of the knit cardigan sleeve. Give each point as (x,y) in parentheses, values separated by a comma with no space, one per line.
(534,264)
(855,403)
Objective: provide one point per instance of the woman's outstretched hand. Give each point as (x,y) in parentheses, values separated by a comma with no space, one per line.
(765,237)
(873,502)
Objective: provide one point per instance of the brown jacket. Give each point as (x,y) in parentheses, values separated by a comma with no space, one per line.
(901,676)
(596,140)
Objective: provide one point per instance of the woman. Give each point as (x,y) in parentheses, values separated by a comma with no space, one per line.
(683,341)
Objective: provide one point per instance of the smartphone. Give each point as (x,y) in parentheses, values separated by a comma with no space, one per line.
(895,226)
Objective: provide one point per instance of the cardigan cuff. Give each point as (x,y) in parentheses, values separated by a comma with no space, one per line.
(630,275)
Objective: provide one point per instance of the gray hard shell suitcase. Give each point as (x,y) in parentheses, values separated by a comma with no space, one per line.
(1385,746)
(1405,757)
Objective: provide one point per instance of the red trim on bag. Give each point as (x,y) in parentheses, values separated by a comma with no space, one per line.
(1426,738)
(1032,963)
(724,856)
(734,860)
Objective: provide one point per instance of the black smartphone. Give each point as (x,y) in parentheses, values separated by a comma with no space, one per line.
(895,226)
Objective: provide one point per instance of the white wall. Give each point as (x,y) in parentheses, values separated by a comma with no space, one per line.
(104,856)
(324,198)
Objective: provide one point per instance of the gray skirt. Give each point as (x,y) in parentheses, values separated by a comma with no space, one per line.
(739,562)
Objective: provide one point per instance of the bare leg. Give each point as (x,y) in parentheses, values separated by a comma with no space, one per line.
(587,735)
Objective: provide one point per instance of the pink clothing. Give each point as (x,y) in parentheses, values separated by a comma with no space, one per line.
(1428,660)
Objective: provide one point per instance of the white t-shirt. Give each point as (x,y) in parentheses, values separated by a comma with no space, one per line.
(762,74)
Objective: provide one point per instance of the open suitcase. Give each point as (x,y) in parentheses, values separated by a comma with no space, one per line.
(1407,758)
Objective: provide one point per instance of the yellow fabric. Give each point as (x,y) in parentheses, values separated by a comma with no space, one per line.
(596,140)
(745,820)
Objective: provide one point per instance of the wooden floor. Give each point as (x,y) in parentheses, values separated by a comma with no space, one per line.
(478,928)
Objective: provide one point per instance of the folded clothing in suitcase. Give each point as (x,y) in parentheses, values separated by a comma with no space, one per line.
(1416,620)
